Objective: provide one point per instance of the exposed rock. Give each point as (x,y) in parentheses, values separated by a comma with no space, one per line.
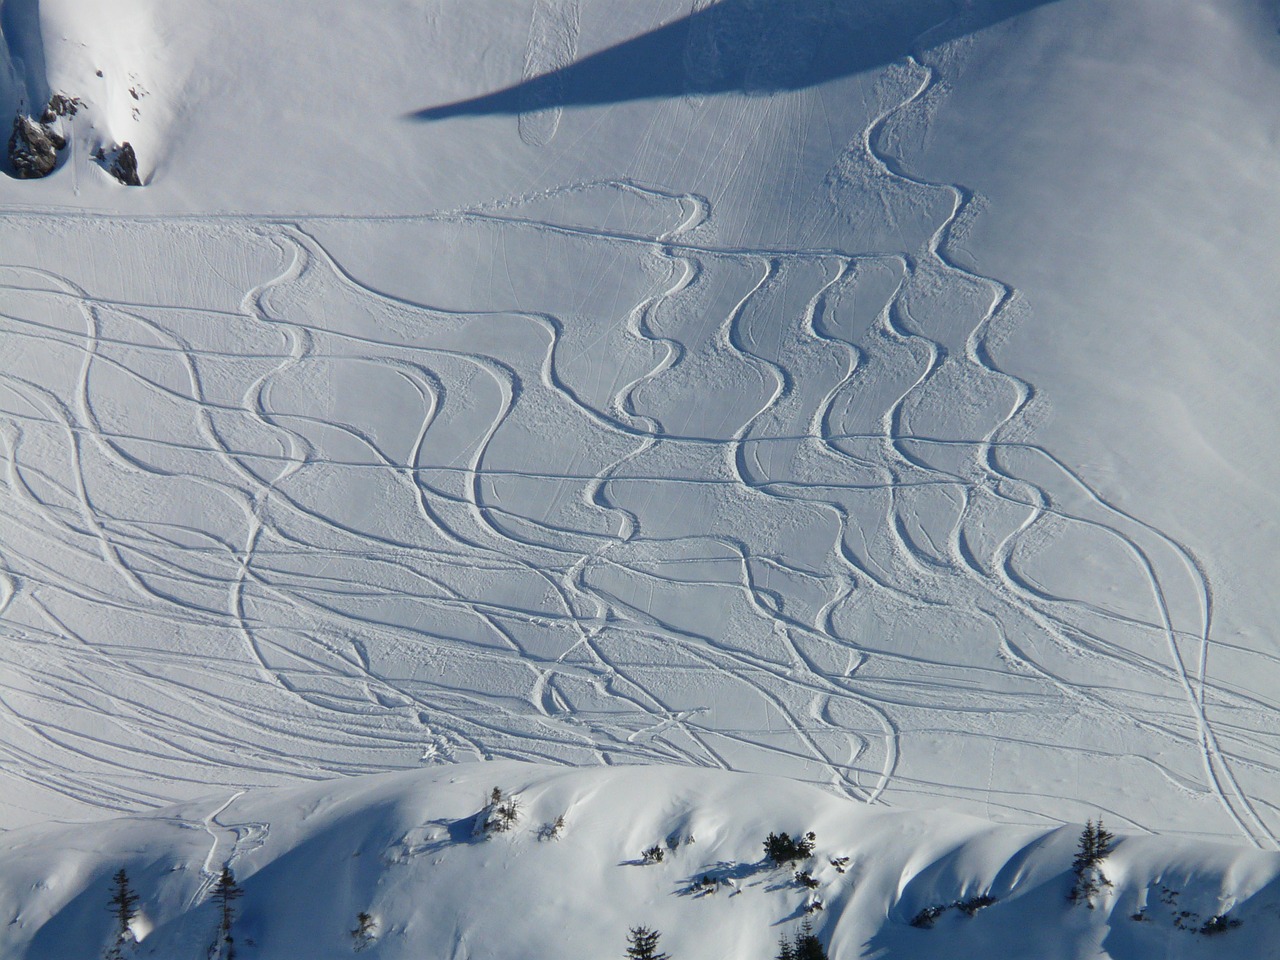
(60,105)
(123,165)
(34,144)
(33,148)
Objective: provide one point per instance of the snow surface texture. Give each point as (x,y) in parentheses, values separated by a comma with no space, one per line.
(404,849)
(402,419)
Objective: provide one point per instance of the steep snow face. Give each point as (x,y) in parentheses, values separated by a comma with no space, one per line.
(431,403)
(406,850)
(113,55)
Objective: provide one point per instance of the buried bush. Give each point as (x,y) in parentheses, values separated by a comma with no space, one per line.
(926,918)
(1219,923)
(805,879)
(972,905)
(652,854)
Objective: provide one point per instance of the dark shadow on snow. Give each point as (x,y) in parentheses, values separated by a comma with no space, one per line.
(24,84)
(752,46)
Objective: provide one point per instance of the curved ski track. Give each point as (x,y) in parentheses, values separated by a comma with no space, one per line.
(340,597)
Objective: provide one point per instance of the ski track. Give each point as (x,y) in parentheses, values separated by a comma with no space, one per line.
(464,618)
(552,46)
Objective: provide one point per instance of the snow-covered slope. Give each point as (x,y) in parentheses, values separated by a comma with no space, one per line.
(880,401)
(403,848)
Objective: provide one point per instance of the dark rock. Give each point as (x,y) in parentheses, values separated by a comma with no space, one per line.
(33,149)
(124,165)
(60,105)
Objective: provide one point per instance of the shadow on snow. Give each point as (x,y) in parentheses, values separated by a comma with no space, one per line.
(751,46)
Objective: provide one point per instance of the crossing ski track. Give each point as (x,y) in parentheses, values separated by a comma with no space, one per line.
(552,46)
(474,614)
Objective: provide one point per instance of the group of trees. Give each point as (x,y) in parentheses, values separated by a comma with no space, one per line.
(805,945)
(499,815)
(642,944)
(1096,844)
(124,907)
(226,891)
(780,848)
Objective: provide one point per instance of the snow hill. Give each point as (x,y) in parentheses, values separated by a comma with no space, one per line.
(872,394)
(404,849)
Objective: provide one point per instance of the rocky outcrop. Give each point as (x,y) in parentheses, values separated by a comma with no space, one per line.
(34,144)
(33,148)
(123,165)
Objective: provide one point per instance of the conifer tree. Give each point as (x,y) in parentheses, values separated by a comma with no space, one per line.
(124,906)
(225,892)
(780,848)
(805,945)
(642,944)
(366,930)
(1095,844)
(808,946)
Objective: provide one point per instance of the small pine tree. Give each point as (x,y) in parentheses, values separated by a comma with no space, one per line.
(225,893)
(500,814)
(366,930)
(652,854)
(1104,840)
(508,813)
(124,906)
(553,830)
(1095,845)
(642,944)
(805,945)
(808,946)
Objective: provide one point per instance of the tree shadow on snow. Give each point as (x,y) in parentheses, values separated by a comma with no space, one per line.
(746,46)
